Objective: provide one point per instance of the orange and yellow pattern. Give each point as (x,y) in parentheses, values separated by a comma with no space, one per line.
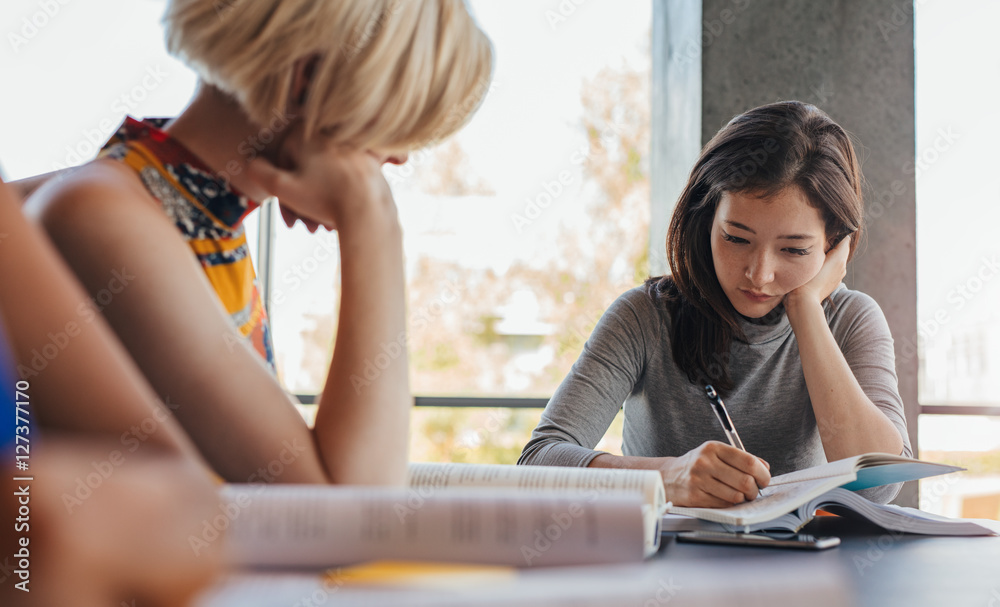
(209,214)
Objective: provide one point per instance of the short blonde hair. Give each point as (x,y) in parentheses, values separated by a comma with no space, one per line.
(388,74)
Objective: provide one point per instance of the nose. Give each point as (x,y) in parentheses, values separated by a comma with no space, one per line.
(760,269)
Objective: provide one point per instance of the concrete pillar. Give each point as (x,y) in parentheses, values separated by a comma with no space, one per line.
(854,60)
(676,114)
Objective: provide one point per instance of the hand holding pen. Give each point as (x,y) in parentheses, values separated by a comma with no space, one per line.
(714,474)
(727,423)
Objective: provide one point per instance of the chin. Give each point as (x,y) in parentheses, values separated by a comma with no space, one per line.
(751,309)
(757,312)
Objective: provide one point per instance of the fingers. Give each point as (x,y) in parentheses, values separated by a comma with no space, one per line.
(715,495)
(843,251)
(323,184)
(290,217)
(730,474)
(287,216)
(723,491)
(744,468)
(275,181)
(842,245)
(714,475)
(838,257)
(738,486)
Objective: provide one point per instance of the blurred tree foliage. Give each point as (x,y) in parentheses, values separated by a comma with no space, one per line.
(453,311)
(449,173)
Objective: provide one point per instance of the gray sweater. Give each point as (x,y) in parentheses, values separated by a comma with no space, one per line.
(628,360)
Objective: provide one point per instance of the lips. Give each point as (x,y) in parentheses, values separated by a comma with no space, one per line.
(755,296)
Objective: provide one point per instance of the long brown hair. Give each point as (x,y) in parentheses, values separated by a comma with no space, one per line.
(761,152)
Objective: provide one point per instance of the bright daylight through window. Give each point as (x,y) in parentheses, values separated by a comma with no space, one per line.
(524,227)
(958,259)
(518,233)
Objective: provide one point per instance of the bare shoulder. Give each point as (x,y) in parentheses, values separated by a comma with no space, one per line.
(102,211)
(99,189)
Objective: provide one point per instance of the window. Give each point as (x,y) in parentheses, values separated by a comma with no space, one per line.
(519,231)
(958,259)
(514,228)
(524,227)
(72,73)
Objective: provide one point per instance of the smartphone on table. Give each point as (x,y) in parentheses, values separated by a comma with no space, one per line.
(799,541)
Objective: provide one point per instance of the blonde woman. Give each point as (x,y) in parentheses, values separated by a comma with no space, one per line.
(303,100)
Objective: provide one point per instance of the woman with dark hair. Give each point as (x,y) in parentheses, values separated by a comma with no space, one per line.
(754,305)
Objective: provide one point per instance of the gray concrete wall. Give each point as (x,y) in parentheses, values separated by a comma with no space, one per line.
(853,59)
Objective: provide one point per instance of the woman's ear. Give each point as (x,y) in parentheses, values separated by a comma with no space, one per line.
(302,77)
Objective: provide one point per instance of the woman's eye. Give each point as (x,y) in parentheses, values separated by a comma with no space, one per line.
(734,239)
(798,251)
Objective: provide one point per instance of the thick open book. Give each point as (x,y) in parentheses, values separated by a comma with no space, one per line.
(791,500)
(500,515)
(595,481)
(587,483)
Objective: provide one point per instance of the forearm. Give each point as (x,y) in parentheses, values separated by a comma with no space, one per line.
(362,426)
(849,423)
(64,348)
(632,462)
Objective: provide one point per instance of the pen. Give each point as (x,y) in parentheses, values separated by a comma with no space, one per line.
(725,420)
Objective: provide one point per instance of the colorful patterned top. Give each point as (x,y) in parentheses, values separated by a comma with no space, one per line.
(209,214)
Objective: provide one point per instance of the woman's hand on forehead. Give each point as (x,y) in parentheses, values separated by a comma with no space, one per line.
(322,183)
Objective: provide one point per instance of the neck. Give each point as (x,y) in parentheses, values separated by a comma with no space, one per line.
(218,131)
(771,318)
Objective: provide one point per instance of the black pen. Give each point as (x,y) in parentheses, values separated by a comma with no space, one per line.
(725,420)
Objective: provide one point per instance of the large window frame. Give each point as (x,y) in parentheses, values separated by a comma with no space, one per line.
(683,132)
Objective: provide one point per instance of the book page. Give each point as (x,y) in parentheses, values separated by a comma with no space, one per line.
(898,518)
(591,481)
(323,526)
(774,502)
(841,467)
(871,470)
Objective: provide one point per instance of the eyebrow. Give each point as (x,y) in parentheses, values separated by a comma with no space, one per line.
(740,226)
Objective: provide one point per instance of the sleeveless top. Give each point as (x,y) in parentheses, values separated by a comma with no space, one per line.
(207,212)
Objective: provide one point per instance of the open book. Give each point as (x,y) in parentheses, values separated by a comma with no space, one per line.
(502,515)
(586,483)
(791,500)
(595,481)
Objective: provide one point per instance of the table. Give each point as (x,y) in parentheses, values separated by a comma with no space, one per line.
(871,568)
(883,568)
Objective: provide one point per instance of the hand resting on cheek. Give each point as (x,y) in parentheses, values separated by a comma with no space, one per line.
(826,280)
(323,183)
